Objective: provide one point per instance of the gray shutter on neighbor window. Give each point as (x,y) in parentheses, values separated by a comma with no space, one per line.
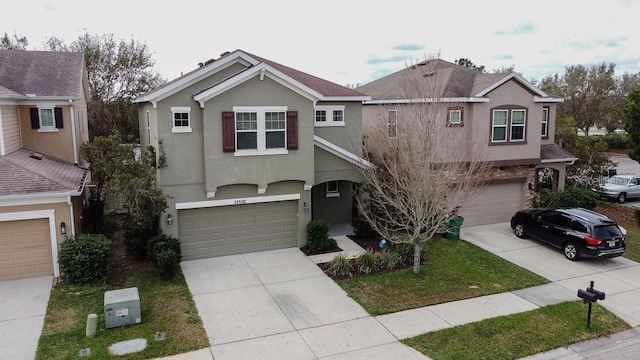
(58,115)
(35,118)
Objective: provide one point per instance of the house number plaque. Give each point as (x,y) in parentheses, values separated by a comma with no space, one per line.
(240,202)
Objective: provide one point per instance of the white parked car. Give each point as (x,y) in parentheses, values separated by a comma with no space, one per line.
(621,187)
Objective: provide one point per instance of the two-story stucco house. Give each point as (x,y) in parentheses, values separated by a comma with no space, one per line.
(43,122)
(255,150)
(515,120)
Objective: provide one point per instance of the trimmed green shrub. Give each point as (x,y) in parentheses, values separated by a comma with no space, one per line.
(167,263)
(362,228)
(389,259)
(84,258)
(318,239)
(617,141)
(138,235)
(367,262)
(571,197)
(340,266)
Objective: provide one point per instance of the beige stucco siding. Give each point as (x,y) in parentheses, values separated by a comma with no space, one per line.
(349,136)
(10,128)
(330,167)
(57,144)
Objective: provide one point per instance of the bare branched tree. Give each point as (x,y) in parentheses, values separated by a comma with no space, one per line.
(426,166)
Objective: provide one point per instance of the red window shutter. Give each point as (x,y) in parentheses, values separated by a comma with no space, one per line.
(292,130)
(228,132)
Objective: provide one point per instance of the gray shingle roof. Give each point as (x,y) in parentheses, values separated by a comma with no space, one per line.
(22,175)
(438,77)
(553,152)
(43,73)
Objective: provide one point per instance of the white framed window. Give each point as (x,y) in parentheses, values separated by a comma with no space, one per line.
(392,124)
(181,119)
(499,126)
(545,122)
(518,125)
(332,189)
(260,130)
(47,120)
(329,115)
(455,117)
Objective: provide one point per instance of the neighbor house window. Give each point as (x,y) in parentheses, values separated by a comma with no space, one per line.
(455,117)
(181,119)
(329,115)
(392,124)
(46,119)
(545,122)
(332,189)
(508,125)
(260,130)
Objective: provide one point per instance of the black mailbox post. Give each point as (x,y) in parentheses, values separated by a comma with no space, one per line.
(589,296)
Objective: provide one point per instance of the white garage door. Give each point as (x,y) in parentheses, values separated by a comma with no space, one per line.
(495,203)
(228,230)
(25,249)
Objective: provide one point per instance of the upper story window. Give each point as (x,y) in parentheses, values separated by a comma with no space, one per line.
(260,130)
(329,115)
(46,119)
(508,125)
(392,124)
(545,122)
(181,119)
(454,118)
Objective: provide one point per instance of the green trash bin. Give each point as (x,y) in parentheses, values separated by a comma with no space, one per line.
(453,228)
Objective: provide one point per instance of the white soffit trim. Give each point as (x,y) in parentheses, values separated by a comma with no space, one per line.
(36,199)
(340,152)
(197,75)
(39,214)
(236,201)
(539,99)
(520,79)
(428,100)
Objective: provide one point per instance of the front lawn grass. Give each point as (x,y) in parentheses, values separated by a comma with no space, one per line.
(625,216)
(519,335)
(166,306)
(455,270)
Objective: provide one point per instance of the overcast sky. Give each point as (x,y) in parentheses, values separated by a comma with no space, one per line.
(351,41)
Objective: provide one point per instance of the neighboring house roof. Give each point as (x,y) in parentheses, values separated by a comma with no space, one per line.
(553,153)
(440,79)
(21,174)
(41,74)
(316,87)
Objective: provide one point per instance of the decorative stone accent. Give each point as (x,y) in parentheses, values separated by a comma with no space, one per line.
(128,347)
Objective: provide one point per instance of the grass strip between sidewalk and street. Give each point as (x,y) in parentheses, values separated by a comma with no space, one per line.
(166,306)
(519,335)
(454,270)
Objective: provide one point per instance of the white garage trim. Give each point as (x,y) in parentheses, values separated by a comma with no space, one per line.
(236,201)
(39,214)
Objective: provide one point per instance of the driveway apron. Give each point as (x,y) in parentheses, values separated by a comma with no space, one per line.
(280,305)
(618,277)
(24,305)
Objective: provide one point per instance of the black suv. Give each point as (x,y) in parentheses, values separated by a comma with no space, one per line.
(578,232)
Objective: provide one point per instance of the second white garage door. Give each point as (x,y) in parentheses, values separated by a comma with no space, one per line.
(228,230)
(496,203)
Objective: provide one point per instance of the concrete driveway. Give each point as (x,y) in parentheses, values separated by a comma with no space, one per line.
(24,305)
(619,277)
(280,305)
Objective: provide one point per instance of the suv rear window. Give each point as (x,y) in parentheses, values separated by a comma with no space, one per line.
(606,232)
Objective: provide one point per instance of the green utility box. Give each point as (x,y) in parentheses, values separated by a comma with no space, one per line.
(121,307)
(453,228)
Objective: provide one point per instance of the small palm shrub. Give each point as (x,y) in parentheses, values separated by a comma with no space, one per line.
(367,262)
(339,266)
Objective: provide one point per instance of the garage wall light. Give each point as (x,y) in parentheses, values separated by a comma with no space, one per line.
(63,228)
(169,219)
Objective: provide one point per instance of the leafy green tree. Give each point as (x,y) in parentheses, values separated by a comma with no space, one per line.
(118,71)
(15,43)
(589,94)
(632,122)
(468,63)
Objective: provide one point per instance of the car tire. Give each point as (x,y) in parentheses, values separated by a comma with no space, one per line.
(571,251)
(622,197)
(520,230)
